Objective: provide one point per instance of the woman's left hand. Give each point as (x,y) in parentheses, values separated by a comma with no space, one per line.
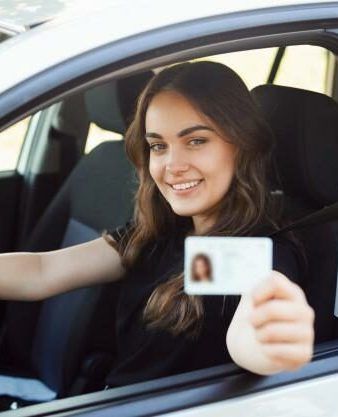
(283,322)
(272,329)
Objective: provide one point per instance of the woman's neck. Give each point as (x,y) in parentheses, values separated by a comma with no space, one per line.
(202,223)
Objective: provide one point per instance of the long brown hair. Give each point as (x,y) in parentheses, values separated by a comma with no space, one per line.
(220,94)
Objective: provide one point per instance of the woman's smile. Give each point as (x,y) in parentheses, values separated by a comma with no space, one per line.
(186,188)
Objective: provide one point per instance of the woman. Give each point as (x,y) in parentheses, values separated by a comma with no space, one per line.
(201,149)
(201,268)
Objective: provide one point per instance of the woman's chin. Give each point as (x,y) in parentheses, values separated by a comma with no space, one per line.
(183,212)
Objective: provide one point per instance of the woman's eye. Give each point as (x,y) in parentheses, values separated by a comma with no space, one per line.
(153,147)
(157,147)
(200,141)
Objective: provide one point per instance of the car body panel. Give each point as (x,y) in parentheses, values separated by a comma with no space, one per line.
(197,389)
(24,15)
(312,398)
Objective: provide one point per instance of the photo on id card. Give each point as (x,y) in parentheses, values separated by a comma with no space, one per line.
(216,265)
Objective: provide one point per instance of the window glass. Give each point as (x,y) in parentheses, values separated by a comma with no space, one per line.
(253,66)
(302,66)
(3,37)
(96,135)
(11,141)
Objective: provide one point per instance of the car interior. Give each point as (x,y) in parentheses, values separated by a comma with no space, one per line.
(64,346)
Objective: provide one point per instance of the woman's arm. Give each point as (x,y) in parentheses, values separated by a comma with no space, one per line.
(35,276)
(272,328)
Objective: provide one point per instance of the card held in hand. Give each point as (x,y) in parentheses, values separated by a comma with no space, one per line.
(215,265)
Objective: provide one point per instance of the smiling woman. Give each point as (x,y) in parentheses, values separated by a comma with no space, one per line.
(201,149)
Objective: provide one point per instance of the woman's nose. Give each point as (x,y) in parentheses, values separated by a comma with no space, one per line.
(175,168)
(176,162)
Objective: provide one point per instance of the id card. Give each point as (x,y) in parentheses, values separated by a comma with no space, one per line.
(216,265)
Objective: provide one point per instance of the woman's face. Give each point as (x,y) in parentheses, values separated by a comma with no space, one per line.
(187,151)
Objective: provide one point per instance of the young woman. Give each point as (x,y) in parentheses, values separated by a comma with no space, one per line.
(201,151)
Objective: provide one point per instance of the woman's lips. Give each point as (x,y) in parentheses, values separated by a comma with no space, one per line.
(187,190)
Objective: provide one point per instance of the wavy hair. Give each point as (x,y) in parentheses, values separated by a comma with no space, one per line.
(220,94)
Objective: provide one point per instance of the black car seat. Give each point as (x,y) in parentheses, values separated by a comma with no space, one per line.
(44,343)
(305,125)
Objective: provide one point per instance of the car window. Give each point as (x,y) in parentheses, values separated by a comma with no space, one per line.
(11,141)
(3,37)
(302,66)
(96,135)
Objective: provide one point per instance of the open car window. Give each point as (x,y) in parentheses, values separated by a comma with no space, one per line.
(301,66)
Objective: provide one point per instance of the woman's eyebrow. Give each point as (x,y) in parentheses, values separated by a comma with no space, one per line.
(183,132)
(192,129)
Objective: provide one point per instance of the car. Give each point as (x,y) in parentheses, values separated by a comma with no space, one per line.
(68,88)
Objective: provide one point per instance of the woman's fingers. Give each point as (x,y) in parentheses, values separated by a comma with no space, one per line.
(285,332)
(290,356)
(281,310)
(282,321)
(278,286)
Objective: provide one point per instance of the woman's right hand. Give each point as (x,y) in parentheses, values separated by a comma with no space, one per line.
(34,276)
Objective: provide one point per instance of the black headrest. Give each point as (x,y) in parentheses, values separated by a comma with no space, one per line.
(111,105)
(305,125)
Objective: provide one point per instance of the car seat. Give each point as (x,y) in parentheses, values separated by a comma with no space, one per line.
(305,125)
(44,343)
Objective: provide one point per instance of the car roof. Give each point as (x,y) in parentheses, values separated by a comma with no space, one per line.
(76,31)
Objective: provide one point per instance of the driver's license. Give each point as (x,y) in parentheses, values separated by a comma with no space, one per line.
(225,265)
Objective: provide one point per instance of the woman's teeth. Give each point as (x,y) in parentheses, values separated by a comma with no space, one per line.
(186,185)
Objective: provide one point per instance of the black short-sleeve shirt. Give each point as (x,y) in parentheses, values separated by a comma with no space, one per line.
(144,354)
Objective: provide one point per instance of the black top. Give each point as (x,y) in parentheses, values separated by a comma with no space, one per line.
(144,354)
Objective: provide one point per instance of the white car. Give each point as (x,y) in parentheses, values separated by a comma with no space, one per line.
(68,86)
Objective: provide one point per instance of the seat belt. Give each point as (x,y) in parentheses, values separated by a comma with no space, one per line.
(325,215)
